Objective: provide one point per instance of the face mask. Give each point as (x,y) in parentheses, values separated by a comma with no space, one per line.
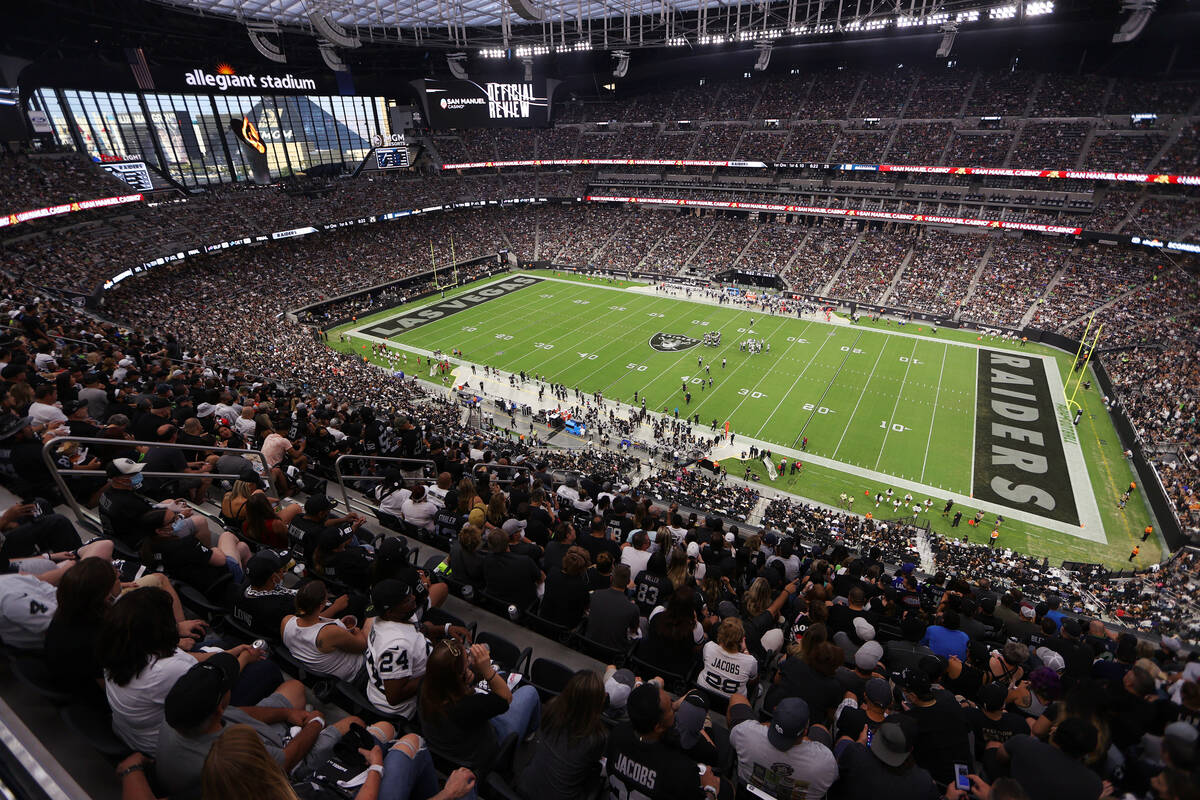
(137,480)
(179,524)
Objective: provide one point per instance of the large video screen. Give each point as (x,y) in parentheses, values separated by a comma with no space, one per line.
(486,104)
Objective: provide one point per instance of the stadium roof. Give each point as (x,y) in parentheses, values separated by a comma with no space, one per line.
(536,27)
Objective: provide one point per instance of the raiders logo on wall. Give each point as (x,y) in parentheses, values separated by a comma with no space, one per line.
(672,342)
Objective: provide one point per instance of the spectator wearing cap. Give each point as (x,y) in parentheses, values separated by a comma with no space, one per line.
(877,702)
(418,510)
(990,723)
(728,668)
(305,530)
(784,757)
(566,597)
(265,601)
(883,768)
(334,560)
(1055,770)
(122,505)
(396,649)
(571,740)
(842,616)
(22,470)
(511,578)
(79,419)
(946,639)
(1077,656)
(327,645)
(514,529)
(939,735)
(861,632)
(1113,670)
(865,666)
(613,618)
(638,760)
(197,711)
(465,725)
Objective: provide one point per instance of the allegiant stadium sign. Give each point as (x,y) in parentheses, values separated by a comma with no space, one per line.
(226,81)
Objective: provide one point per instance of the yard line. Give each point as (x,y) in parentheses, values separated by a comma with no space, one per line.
(618,318)
(933,419)
(882,347)
(828,386)
(899,394)
(683,355)
(800,375)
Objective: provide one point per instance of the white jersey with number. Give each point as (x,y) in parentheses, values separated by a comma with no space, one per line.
(726,673)
(27,604)
(395,650)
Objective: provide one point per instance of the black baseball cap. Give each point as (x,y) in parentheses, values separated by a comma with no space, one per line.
(198,692)
(389,593)
(263,565)
(318,503)
(992,696)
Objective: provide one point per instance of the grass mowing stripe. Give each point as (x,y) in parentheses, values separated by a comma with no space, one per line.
(936,395)
(832,380)
(899,394)
(861,395)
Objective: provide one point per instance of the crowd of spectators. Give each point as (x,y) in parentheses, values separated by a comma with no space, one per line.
(37,181)
(868,272)
(939,273)
(696,490)
(1124,152)
(1017,274)
(1049,145)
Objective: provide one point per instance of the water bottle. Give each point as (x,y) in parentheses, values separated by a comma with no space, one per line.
(261,644)
(513,612)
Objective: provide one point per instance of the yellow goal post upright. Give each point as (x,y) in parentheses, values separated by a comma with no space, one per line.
(1069,392)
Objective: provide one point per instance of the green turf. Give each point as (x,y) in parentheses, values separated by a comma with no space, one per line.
(862,395)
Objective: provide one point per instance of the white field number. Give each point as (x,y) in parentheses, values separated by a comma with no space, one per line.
(545,296)
(748,393)
(818,409)
(581,302)
(470,328)
(896,426)
(636,367)
(690,379)
(655,314)
(846,349)
(905,360)
(797,340)
(617,308)
(504,336)
(703,322)
(543,346)
(588,356)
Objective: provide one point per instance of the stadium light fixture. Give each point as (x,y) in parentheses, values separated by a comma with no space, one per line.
(764,55)
(257,31)
(1039,8)
(456,62)
(1003,12)
(622,67)
(333,32)
(330,56)
(949,31)
(1140,13)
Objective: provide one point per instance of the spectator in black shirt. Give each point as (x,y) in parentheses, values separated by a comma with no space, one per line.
(597,541)
(651,587)
(941,727)
(991,723)
(185,558)
(156,413)
(511,578)
(885,768)
(337,562)
(304,532)
(121,506)
(265,601)
(640,763)
(563,540)
(540,518)
(613,618)
(566,596)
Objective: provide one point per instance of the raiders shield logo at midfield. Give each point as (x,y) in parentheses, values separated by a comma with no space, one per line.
(672,342)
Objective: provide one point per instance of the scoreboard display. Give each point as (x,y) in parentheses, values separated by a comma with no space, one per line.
(133,173)
(391,157)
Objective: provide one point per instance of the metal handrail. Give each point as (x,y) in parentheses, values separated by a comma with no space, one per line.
(81,515)
(341,478)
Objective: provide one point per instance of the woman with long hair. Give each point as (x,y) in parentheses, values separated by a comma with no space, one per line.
(468,496)
(728,666)
(461,724)
(466,563)
(761,612)
(674,634)
(497,509)
(264,524)
(677,568)
(85,593)
(139,650)
(571,740)
(233,504)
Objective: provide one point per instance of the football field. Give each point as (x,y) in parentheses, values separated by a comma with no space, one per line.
(935,414)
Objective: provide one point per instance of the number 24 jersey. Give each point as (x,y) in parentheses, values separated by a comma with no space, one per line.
(395,650)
